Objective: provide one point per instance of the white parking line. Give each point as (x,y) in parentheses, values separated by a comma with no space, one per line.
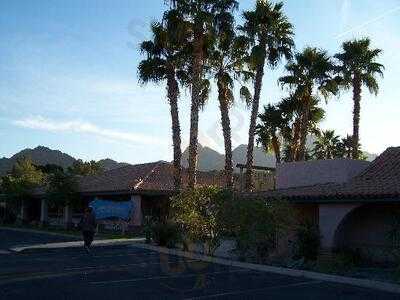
(249,291)
(165,277)
(4,252)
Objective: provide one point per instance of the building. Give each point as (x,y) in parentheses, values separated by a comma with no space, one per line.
(355,204)
(149,186)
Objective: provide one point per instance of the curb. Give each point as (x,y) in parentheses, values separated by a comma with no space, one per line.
(77,244)
(77,236)
(364,283)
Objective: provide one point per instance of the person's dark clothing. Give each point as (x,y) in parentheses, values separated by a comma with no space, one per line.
(88,222)
(88,226)
(88,237)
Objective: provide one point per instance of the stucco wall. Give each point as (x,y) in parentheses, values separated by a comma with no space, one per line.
(331,216)
(307,173)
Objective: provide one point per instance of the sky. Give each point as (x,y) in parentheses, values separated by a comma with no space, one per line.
(68,77)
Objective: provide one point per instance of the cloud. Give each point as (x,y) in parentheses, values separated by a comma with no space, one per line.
(369,22)
(344,13)
(41,123)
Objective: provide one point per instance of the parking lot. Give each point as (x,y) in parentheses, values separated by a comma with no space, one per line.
(127,272)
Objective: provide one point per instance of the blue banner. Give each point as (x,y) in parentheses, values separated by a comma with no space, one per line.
(105,209)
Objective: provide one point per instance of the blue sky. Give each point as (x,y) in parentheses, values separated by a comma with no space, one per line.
(68,77)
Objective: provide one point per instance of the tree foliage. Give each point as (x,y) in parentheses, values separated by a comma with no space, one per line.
(257,224)
(166,59)
(226,63)
(270,37)
(22,180)
(279,127)
(327,146)
(199,214)
(86,168)
(310,76)
(358,67)
(207,214)
(270,130)
(62,189)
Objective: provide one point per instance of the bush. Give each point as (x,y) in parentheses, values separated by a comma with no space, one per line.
(148,228)
(256,225)
(198,212)
(166,234)
(308,240)
(7,216)
(343,261)
(207,214)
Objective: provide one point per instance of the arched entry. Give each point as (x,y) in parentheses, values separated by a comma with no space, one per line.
(367,229)
(330,216)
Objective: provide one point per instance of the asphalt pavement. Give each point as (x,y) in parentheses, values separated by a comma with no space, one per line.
(126,272)
(14,238)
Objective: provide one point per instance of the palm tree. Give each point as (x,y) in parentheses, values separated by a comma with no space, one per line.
(164,61)
(327,145)
(269,131)
(271,37)
(358,67)
(309,76)
(226,62)
(201,15)
(291,108)
(346,148)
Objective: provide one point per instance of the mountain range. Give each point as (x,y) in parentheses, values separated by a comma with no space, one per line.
(42,155)
(209,159)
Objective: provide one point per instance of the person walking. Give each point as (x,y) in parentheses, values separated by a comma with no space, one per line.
(88,226)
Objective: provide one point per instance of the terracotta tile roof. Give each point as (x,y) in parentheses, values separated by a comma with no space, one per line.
(381,179)
(157,176)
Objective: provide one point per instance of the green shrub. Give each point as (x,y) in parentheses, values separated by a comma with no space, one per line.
(207,214)
(347,259)
(148,228)
(166,234)
(343,261)
(256,225)
(199,214)
(308,240)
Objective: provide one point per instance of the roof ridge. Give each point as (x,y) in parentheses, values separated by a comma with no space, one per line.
(311,186)
(127,167)
(379,159)
(141,181)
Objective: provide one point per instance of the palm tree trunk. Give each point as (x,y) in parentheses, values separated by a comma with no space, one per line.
(253,123)
(356,116)
(172,86)
(304,130)
(295,141)
(195,104)
(226,130)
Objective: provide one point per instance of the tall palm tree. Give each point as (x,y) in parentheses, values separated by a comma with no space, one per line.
(346,148)
(165,58)
(269,131)
(271,38)
(291,108)
(358,67)
(226,62)
(201,15)
(327,145)
(309,76)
